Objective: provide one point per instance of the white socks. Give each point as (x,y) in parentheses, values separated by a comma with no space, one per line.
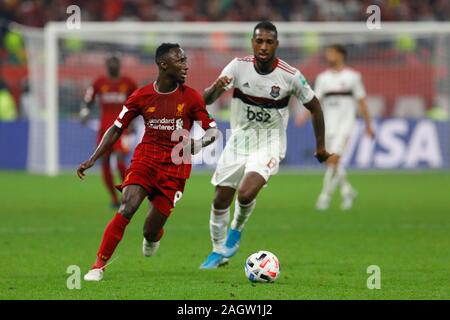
(335,177)
(241,214)
(346,187)
(218,222)
(218,225)
(330,181)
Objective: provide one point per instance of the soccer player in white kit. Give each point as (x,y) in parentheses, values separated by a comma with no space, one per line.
(262,86)
(340,90)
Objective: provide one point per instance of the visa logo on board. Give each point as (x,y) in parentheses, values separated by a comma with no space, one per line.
(399,143)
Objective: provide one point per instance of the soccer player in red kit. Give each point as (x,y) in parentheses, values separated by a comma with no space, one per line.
(169,109)
(111,91)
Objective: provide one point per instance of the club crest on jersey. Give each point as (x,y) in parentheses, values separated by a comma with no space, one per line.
(180,108)
(150,109)
(123,87)
(275,92)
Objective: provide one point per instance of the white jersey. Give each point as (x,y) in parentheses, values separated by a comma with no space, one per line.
(261,102)
(339,92)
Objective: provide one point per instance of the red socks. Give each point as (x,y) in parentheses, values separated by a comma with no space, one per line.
(113,234)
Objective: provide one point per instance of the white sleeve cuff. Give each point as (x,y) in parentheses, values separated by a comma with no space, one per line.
(118,124)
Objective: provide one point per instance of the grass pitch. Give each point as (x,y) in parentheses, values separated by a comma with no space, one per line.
(400,222)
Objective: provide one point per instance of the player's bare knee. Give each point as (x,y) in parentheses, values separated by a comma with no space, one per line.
(245,196)
(221,203)
(222,200)
(128,208)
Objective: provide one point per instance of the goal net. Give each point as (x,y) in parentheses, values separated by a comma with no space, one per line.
(405,68)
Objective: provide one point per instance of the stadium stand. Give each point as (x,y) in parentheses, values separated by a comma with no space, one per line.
(406,52)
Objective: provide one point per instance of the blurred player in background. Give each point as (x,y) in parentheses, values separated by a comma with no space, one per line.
(263,85)
(341,91)
(169,109)
(112,91)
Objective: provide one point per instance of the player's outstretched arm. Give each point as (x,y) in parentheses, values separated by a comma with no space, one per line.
(211,135)
(109,138)
(319,129)
(213,92)
(365,114)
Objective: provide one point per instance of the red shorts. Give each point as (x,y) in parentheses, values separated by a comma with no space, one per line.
(121,146)
(163,191)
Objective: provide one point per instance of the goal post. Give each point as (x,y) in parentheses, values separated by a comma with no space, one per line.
(399,61)
(51,98)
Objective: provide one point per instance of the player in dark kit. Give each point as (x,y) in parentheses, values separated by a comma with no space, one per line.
(111,91)
(169,109)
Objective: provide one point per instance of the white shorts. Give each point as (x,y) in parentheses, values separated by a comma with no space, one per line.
(337,132)
(336,143)
(231,168)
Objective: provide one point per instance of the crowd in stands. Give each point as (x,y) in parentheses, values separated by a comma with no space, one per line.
(38,12)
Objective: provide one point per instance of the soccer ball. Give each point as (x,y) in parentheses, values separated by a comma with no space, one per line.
(262,266)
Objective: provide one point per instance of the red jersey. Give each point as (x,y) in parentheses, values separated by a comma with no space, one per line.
(164,114)
(112,94)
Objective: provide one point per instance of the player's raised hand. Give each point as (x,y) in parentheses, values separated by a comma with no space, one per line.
(222,82)
(83,167)
(213,92)
(323,155)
